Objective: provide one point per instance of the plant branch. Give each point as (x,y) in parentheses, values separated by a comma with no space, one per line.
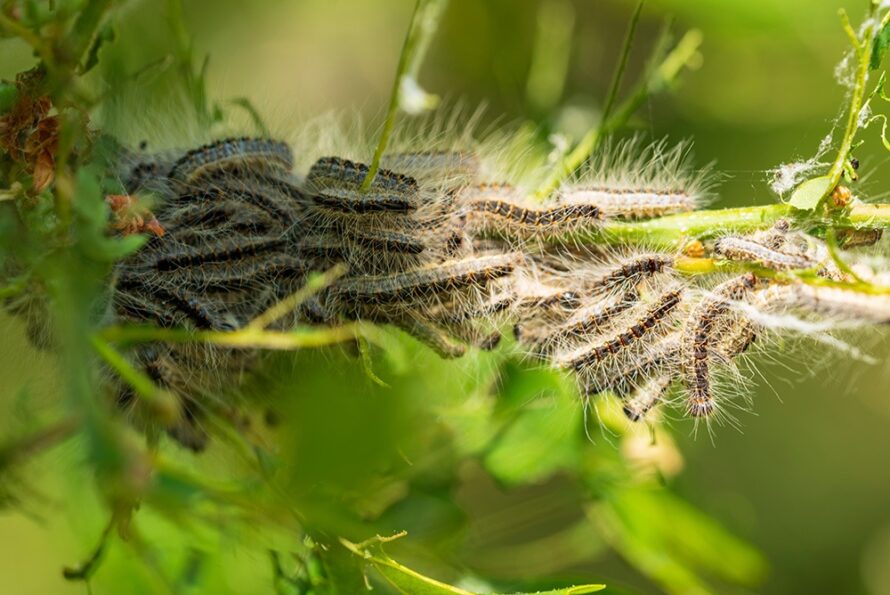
(243,338)
(862,46)
(161,402)
(622,63)
(420,31)
(661,73)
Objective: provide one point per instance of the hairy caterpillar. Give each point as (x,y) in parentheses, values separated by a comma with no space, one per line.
(698,339)
(827,300)
(587,320)
(631,271)
(630,203)
(593,354)
(254,152)
(432,250)
(336,186)
(749,250)
(647,397)
(500,213)
(633,181)
(417,284)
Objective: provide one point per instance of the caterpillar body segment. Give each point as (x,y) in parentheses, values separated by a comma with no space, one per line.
(417,284)
(647,397)
(837,302)
(544,337)
(630,272)
(254,153)
(698,343)
(657,357)
(857,238)
(497,209)
(215,219)
(335,186)
(630,203)
(631,180)
(278,195)
(598,352)
(227,249)
(736,333)
(245,273)
(750,250)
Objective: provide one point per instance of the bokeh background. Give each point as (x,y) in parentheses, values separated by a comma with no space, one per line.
(805,481)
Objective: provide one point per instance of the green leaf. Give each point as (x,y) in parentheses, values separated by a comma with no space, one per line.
(882,42)
(673,543)
(545,436)
(412,582)
(8,96)
(577,590)
(105,35)
(807,196)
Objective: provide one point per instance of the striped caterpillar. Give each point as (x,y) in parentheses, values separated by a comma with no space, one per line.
(494,208)
(432,249)
(698,340)
(631,181)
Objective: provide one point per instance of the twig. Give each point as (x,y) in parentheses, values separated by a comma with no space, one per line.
(161,402)
(659,75)
(423,25)
(315,284)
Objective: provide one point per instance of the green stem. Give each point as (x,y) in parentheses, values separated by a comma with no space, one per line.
(622,63)
(245,338)
(315,284)
(84,29)
(418,33)
(875,215)
(656,80)
(863,50)
(673,230)
(160,401)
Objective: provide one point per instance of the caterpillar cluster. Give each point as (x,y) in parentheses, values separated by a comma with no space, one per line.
(435,246)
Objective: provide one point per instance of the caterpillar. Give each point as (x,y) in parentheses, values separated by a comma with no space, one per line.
(857,238)
(647,397)
(628,203)
(502,215)
(828,300)
(225,249)
(631,180)
(588,320)
(598,352)
(750,250)
(417,284)
(661,357)
(259,153)
(630,272)
(698,339)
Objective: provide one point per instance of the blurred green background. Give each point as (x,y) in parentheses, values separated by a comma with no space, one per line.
(805,480)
